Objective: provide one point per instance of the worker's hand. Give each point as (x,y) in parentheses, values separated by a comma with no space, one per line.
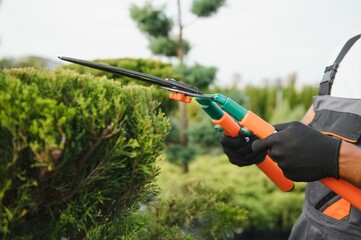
(239,150)
(304,154)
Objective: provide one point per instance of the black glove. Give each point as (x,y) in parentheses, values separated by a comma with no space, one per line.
(304,154)
(239,150)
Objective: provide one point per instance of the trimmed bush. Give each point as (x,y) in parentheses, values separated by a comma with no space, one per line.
(151,67)
(76,152)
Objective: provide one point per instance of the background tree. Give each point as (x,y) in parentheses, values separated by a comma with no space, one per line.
(27,61)
(157,26)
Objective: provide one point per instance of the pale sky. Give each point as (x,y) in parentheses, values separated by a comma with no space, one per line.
(260,39)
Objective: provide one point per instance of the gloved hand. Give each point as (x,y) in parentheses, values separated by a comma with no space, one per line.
(304,154)
(239,150)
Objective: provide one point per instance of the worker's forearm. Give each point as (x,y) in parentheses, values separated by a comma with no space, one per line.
(350,163)
(310,114)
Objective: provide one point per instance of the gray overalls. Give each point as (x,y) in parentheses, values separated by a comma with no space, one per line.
(325,215)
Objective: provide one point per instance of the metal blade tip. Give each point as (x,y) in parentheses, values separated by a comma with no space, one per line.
(63,58)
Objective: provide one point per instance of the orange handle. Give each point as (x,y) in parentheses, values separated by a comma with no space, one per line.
(257,125)
(262,129)
(268,167)
(230,127)
(273,172)
(344,189)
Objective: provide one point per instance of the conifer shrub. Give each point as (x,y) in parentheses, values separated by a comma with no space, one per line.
(77,152)
(147,66)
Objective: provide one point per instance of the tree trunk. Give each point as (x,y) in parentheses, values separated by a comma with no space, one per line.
(183,125)
(183,122)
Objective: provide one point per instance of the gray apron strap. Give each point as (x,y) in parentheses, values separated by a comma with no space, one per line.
(330,71)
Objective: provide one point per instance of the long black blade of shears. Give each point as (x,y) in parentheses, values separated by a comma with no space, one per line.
(168,84)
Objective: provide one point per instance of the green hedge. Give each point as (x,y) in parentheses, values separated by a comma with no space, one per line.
(151,67)
(76,152)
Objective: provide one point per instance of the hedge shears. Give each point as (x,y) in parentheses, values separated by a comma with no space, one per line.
(231,118)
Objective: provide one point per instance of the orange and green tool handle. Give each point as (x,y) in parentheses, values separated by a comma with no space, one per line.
(231,128)
(263,129)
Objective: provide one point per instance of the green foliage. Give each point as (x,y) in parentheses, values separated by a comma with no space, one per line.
(151,20)
(178,154)
(7,63)
(305,96)
(203,136)
(286,114)
(295,96)
(165,46)
(196,75)
(162,232)
(201,210)
(76,151)
(124,229)
(262,100)
(267,208)
(29,61)
(151,67)
(200,133)
(206,8)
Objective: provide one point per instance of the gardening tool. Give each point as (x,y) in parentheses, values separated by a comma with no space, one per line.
(230,117)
